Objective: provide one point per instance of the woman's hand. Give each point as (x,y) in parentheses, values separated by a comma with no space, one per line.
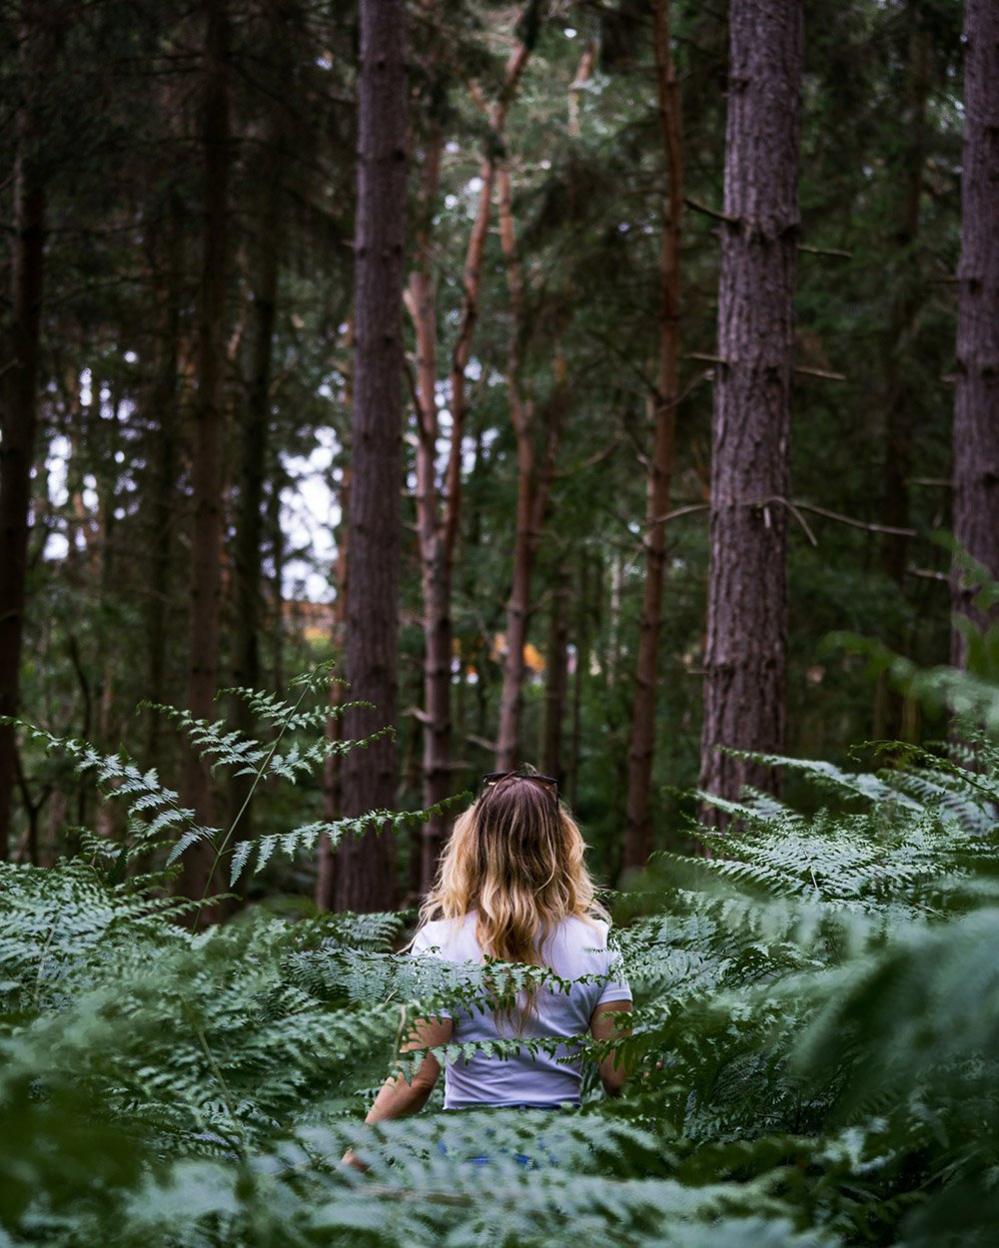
(350,1158)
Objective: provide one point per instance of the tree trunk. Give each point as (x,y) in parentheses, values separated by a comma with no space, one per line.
(438,518)
(365,868)
(533,495)
(206,541)
(556,679)
(901,394)
(18,432)
(533,488)
(163,466)
(641,745)
(583,631)
(436,550)
(333,766)
(109,816)
(976,406)
(744,695)
(278,480)
(584,72)
(252,467)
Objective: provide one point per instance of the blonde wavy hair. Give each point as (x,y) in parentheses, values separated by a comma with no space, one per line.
(515,857)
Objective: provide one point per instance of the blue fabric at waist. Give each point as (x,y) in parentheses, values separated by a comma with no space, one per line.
(460,1109)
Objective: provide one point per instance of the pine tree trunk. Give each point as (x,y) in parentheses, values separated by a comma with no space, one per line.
(206,543)
(584,628)
(641,745)
(436,550)
(900,386)
(333,767)
(517,614)
(744,695)
(533,487)
(108,816)
(163,467)
(976,407)
(556,679)
(254,437)
(18,431)
(275,535)
(533,495)
(584,72)
(438,518)
(365,868)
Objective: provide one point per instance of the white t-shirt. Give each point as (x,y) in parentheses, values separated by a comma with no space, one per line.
(575,949)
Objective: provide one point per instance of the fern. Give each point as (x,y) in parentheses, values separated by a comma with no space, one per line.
(305,838)
(817,1014)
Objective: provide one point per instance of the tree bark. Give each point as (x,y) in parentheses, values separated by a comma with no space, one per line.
(333,769)
(275,533)
(438,517)
(556,679)
(435,535)
(533,485)
(255,434)
(642,740)
(18,432)
(901,387)
(976,406)
(745,661)
(533,495)
(584,72)
(206,541)
(365,869)
(163,467)
(583,633)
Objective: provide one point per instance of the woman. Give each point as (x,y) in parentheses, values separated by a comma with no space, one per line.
(512,885)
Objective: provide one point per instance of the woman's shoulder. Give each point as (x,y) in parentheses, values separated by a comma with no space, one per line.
(441,934)
(585,932)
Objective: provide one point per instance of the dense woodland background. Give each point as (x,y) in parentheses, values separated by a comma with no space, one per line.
(180,383)
(593,385)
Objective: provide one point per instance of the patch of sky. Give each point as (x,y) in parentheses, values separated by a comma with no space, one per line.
(310,512)
(56,466)
(89,493)
(56,546)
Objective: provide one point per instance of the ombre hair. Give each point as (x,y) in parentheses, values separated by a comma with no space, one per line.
(515,857)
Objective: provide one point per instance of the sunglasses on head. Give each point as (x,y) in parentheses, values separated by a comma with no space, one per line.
(548,783)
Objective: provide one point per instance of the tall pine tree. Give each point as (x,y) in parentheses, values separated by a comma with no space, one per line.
(365,878)
(744,693)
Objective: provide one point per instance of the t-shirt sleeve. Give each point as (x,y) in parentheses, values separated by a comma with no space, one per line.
(616,987)
(423,945)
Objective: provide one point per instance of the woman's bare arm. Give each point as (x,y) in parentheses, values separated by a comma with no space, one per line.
(609,1023)
(398,1096)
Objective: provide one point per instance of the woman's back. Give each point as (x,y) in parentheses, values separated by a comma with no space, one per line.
(576,951)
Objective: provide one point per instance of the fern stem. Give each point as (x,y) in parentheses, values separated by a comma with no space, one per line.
(261,770)
(238,1142)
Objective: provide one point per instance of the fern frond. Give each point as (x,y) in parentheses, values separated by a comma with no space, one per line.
(305,838)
